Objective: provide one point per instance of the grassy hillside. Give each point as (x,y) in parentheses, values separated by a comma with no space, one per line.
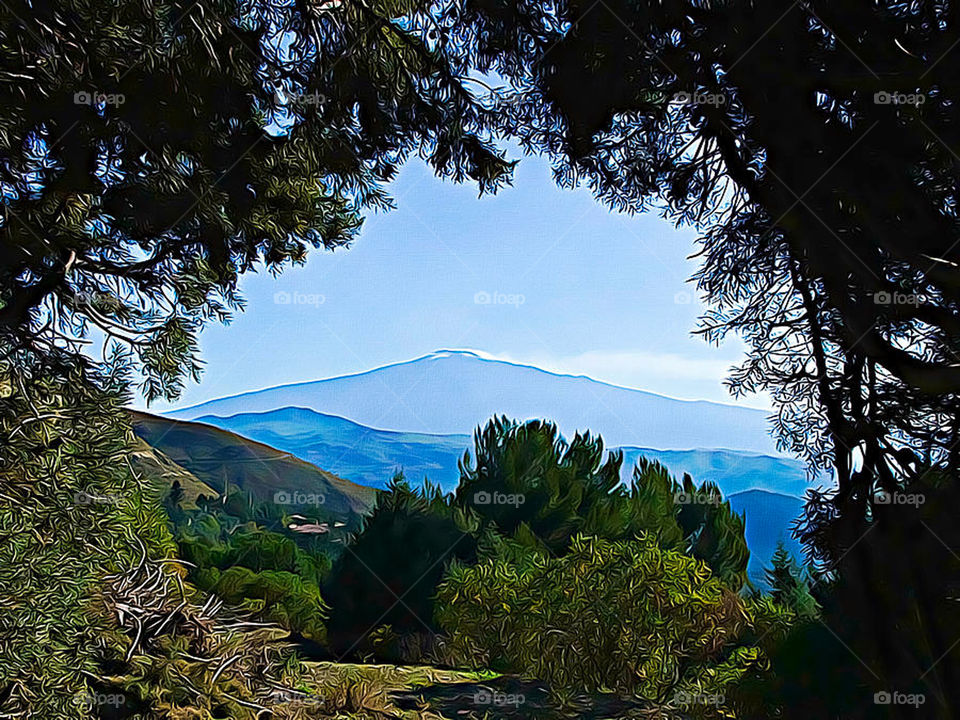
(351,450)
(157,468)
(217,458)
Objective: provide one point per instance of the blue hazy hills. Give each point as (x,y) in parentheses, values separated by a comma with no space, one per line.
(371,457)
(767,489)
(418,416)
(450,392)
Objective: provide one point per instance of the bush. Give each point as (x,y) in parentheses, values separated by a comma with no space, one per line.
(625,616)
(74,512)
(278,596)
(260,570)
(388,575)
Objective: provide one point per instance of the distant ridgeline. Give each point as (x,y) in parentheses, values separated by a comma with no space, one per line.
(453,391)
(418,416)
(767,489)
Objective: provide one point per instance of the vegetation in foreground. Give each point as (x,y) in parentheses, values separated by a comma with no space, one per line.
(829,245)
(204,611)
(541,567)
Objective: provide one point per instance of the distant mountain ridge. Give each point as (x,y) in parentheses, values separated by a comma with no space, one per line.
(350,450)
(453,391)
(770,518)
(765,489)
(371,457)
(419,415)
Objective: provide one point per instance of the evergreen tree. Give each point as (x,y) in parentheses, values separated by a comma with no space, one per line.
(526,474)
(154,151)
(528,482)
(388,575)
(171,503)
(648,505)
(726,113)
(789,584)
(715,532)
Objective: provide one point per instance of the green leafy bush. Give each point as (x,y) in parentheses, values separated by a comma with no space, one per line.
(625,616)
(74,512)
(278,596)
(388,575)
(262,571)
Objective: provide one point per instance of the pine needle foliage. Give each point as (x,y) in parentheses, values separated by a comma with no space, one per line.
(73,512)
(152,152)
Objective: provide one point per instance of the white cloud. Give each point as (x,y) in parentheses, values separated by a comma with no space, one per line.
(640,366)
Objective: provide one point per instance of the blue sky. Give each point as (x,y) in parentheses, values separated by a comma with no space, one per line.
(534,274)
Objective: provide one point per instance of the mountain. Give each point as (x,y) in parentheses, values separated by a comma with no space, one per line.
(364,455)
(730,470)
(217,457)
(769,517)
(371,457)
(452,392)
(151,464)
(767,489)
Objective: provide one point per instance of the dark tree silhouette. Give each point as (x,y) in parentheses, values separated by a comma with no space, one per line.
(388,575)
(151,152)
(815,146)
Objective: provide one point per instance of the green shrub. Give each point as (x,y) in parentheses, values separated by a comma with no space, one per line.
(74,511)
(624,616)
(532,487)
(278,596)
(259,570)
(388,575)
